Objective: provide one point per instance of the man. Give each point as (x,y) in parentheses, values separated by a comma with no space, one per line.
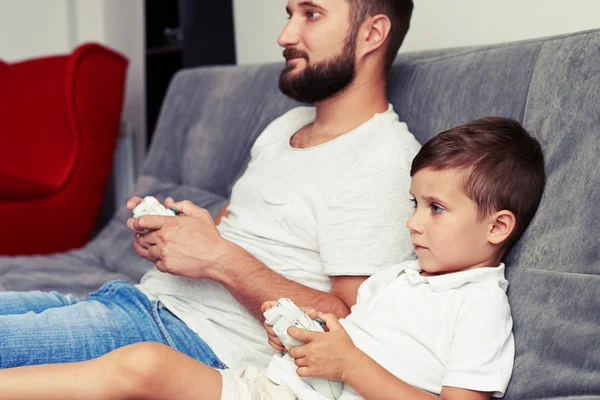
(319,209)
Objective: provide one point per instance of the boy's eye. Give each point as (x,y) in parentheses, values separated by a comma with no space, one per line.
(436,209)
(414,201)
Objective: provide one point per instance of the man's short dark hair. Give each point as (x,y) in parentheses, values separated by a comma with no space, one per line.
(399,13)
(504,166)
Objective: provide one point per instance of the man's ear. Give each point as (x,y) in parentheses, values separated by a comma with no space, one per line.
(373,34)
(502,224)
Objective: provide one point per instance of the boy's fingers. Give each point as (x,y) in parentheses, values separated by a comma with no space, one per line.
(275,339)
(300,362)
(303,335)
(267,305)
(270,331)
(297,352)
(303,371)
(330,320)
(311,312)
(276,346)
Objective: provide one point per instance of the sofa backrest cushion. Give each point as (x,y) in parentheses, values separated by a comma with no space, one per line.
(212,116)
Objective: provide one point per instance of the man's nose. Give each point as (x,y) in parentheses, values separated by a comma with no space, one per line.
(289,35)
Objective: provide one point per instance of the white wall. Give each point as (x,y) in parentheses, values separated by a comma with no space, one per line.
(435,24)
(450,23)
(257,25)
(31,28)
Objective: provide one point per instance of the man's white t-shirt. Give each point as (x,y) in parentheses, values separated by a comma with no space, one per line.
(338,208)
(430,331)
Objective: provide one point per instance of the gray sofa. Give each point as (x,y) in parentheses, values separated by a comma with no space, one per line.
(211,116)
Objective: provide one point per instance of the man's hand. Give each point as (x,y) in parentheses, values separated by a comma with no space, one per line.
(188,245)
(331,355)
(139,240)
(133,202)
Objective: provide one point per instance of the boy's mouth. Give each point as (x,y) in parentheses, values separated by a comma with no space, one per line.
(419,247)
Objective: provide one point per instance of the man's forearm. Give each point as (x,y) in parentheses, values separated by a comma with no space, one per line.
(252,283)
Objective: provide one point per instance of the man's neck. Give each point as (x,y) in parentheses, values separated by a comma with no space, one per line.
(344,112)
(349,109)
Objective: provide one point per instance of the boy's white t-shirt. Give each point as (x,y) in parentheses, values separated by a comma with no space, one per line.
(430,331)
(338,208)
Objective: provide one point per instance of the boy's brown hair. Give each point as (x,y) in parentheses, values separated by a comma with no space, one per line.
(504,166)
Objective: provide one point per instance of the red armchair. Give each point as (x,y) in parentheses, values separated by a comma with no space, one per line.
(59,120)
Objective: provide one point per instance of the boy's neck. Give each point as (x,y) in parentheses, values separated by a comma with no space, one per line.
(493,262)
(425,273)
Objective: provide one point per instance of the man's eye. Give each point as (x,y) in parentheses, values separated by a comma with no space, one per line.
(436,209)
(312,14)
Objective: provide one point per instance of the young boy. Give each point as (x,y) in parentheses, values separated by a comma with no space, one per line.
(439,325)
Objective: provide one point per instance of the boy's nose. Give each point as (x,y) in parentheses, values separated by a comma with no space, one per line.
(413,224)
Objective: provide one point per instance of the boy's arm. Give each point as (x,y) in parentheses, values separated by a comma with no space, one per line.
(333,355)
(372,381)
(482,342)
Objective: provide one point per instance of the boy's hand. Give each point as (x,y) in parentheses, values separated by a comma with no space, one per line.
(330,355)
(274,341)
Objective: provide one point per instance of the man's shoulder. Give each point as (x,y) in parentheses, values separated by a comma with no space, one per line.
(388,132)
(386,153)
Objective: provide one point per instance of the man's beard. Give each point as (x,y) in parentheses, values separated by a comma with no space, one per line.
(319,81)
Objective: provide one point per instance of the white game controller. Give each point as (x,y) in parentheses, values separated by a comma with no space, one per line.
(286,314)
(151,206)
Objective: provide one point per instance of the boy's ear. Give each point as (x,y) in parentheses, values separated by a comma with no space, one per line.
(373,34)
(502,224)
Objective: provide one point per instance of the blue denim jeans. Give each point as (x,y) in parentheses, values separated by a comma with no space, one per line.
(48,327)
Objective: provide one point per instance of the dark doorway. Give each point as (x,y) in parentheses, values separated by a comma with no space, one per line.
(183,34)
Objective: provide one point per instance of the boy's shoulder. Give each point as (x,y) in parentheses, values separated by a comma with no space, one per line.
(486,299)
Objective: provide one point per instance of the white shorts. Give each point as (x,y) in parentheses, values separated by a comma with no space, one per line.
(252,384)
